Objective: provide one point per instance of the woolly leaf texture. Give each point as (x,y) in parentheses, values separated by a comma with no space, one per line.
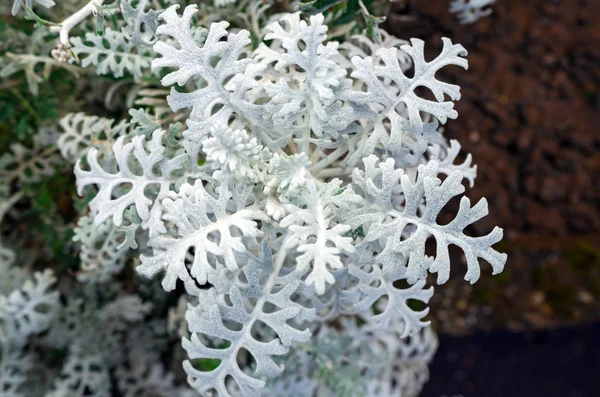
(294,212)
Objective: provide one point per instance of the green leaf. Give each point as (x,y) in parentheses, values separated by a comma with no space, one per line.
(100,24)
(39,21)
(372,22)
(318,6)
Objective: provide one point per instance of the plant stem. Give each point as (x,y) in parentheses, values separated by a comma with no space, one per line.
(4,357)
(277,265)
(65,26)
(12,174)
(4,207)
(27,105)
(333,172)
(333,156)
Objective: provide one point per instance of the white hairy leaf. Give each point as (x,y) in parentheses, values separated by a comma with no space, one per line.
(407,371)
(288,174)
(376,289)
(204,224)
(28,164)
(245,304)
(13,372)
(141,24)
(82,376)
(83,132)
(29,309)
(112,53)
(216,62)
(143,179)
(362,46)
(469,11)
(12,276)
(302,194)
(446,155)
(320,241)
(381,183)
(235,152)
(18,4)
(309,101)
(101,258)
(399,125)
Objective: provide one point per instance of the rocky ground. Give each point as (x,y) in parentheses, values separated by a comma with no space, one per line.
(530,117)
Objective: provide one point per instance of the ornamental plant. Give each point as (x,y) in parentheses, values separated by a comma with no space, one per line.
(264,214)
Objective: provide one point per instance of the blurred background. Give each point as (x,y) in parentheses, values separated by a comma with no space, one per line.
(530,116)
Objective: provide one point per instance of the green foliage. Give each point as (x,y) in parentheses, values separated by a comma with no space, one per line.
(53,215)
(345,12)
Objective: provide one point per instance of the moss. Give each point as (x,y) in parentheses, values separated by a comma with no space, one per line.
(503,278)
(588,95)
(560,292)
(583,257)
(562,299)
(482,294)
(584,260)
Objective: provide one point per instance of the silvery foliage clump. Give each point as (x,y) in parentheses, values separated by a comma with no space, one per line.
(304,188)
(285,189)
(103,331)
(469,11)
(26,305)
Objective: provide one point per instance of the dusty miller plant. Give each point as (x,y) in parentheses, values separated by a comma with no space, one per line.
(282,179)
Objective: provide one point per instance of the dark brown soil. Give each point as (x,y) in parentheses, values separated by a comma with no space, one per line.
(530,116)
(549,363)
